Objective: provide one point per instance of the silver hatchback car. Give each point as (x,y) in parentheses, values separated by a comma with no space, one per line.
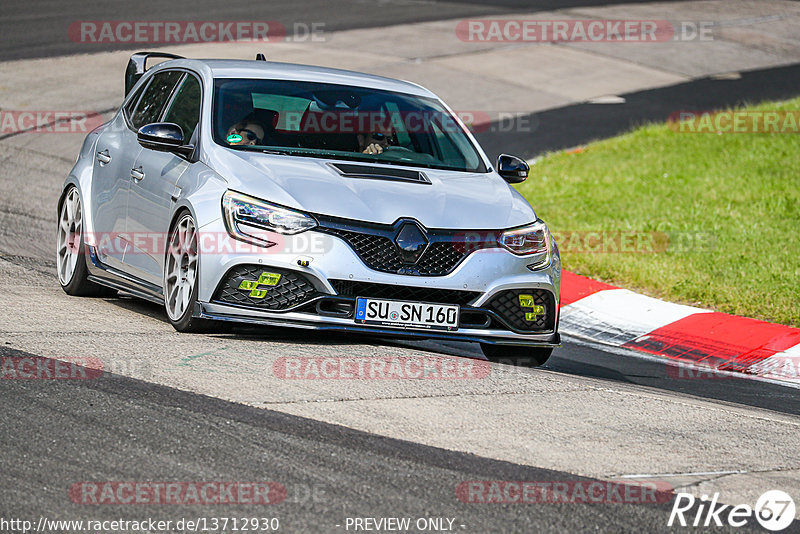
(289,195)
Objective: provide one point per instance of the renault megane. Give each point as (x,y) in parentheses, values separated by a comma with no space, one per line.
(290,195)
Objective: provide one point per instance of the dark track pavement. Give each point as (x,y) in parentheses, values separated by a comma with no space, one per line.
(566,127)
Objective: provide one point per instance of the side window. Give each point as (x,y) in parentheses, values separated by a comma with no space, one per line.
(132,102)
(185,108)
(155,98)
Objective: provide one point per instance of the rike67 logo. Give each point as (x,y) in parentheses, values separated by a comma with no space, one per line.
(774,510)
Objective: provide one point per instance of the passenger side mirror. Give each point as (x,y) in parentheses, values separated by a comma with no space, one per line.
(513,169)
(164,137)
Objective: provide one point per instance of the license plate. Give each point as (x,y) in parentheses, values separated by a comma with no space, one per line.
(401,314)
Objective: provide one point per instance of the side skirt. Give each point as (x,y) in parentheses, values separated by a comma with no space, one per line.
(104,275)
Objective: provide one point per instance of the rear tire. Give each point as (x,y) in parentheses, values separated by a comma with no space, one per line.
(180,276)
(73,274)
(517,354)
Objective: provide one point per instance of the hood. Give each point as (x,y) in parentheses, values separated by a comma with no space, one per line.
(453,200)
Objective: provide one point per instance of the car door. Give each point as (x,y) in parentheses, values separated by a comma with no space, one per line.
(116,150)
(155,177)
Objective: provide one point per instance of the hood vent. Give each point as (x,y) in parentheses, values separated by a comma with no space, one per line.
(380,173)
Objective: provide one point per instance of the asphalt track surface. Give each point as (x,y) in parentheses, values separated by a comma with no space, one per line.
(55,433)
(148,432)
(118,428)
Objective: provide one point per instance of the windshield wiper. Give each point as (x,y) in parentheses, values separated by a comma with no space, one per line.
(251,148)
(334,154)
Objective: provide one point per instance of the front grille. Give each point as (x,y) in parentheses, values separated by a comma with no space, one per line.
(349,288)
(507,305)
(291,290)
(378,252)
(441,258)
(444,253)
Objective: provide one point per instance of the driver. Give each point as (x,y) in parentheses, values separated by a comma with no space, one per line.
(376,142)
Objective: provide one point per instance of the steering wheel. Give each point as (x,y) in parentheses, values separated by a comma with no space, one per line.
(399,153)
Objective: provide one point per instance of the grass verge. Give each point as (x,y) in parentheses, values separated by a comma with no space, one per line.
(707,219)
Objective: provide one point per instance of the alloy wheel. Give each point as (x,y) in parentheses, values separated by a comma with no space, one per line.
(181,268)
(70,226)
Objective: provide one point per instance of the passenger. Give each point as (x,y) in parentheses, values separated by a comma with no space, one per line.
(247,131)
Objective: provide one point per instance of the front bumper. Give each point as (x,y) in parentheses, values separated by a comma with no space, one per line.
(332,275)
(219,312)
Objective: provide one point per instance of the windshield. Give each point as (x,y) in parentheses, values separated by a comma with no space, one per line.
(338,121)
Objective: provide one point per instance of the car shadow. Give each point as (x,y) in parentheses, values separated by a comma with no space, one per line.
(563,360)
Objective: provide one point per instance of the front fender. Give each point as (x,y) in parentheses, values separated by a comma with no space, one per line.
(80,176)
(201,191)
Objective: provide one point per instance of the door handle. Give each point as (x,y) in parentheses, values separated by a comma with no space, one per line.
(103,157)
(137,173)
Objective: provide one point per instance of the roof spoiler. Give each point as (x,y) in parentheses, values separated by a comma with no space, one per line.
(137,66)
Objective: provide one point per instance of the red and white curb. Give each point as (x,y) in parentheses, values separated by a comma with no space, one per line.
(695,337)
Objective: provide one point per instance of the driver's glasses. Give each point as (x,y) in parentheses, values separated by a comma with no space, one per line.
(244,131)
(380,137)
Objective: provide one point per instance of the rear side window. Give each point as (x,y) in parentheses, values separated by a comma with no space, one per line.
(155,98)
(132,102)
(185,107)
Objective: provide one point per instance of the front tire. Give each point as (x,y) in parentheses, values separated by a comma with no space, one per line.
(73,274)
(517,354)
(180,275)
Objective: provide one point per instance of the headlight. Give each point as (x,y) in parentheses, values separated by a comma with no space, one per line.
(249,219)
(532,240)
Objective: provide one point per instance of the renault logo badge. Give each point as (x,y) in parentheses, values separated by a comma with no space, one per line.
(411,242)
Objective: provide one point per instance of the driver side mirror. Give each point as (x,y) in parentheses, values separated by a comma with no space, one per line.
(514,170)
(164,137)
